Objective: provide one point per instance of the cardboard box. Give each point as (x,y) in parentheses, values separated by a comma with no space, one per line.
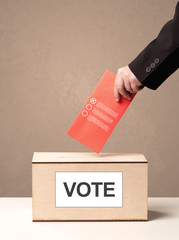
(69,186)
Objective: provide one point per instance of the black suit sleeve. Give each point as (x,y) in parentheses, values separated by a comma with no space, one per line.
(160,58)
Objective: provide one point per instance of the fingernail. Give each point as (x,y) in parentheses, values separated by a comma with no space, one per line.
(117,99)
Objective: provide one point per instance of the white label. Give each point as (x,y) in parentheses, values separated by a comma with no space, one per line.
(88,189)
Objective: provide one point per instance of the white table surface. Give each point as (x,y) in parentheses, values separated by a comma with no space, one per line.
(16,223)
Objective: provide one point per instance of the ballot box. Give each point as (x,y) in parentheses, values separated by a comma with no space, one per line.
(71,186)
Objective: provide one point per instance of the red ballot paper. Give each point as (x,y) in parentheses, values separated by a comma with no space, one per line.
(100,114)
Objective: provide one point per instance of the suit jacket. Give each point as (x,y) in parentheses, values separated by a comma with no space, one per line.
(160,58)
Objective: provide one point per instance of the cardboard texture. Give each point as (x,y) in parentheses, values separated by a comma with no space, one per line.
(99,115)
(134,169)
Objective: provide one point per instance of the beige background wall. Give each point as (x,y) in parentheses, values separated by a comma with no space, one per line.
(52,54)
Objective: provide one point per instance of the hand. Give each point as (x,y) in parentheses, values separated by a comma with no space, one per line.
(126,83)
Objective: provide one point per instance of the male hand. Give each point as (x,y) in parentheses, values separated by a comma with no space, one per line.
(126,83)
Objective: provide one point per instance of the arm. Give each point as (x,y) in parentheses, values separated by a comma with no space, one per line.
(161,57)
(158,60)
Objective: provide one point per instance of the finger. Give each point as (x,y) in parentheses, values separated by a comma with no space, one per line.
(116,94)
(134,87)
(118,81)
(128,86)
(124,92)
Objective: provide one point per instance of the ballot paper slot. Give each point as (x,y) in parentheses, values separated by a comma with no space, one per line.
(79,190)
